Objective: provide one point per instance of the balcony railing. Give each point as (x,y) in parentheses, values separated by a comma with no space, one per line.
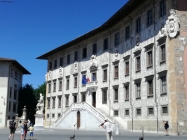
(92,86)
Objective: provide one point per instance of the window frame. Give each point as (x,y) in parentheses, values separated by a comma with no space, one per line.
(54,99)
(138,90)
(66,100)
(60,85)
(164,114)
(67,83)
(127,32)
(138,63)
(61,62)
(104,96)
(163,80)
(126,92)
(125,114)
(149,58)
(68,59)
(75,82)
(162,53)
(59,101)
(76,55)
(116,94)
(138,25)
(105,75)
(84,52)
(116,39)
(149,17)
(54,86)
(162,8)
(116,113)
(137,113)
(127,68)
(150,87)
(105,44)
(116,71)
(94,49)
(55,63)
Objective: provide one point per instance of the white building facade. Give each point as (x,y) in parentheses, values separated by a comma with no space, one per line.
(126,69)
(11,73)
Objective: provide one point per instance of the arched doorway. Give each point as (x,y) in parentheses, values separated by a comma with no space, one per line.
(78,119)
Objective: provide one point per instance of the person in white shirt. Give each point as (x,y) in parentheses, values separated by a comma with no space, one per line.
(108,128)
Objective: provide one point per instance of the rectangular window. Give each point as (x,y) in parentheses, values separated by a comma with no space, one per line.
(163,85)
(15,94)
(105,44)
(54,86)
(116,95)
(138,112)
(138,90)
(76,56)
(84,53)
(47,115)
(150,87)
(138,63)
(94,49)
(16,75)
(126,112)
(127,68)
(67,84)
(67,100)
(9,107)
(149,59)
(14,107)
(53,102)
(10,93)
(49,90)
(68,59)
(104,93)
(151,111)
(75,82)
(50,65)
(116,72)
(83,97)
(60,85)
(149,17)
(162,8)
(75,98)
(164,110)
(116,113)
(138,25)
(127,32)
(59,114)
(55,64)
(117,39)
(94,76)
(53,115)
(105,75)
(11,72)
(163,53)
(59,102)
(61,61)
(48,103)
(127,92)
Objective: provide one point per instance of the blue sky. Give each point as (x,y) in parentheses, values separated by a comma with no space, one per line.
(30,28)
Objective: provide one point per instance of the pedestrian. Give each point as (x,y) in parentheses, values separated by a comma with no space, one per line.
(25,128)
(12,127)
(22,132)
(31,129)
(166,126)
(108,128)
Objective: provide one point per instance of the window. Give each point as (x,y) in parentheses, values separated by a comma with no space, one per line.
(68,59)
(104,75)
(105,44)
(55,64)
(14,107)
(84,53)
(116,113)
(53,102)
(67,83)
(10,93)
(127,32)
(94,76)
(48,103)
(104,93)
(138,90)
(59,114)
(138,112)
(54,86)
(15,94)
(126,112)
(116,95)
(94,49)
(59,101)
(149,17)
(127,68)
(149,59)
(16,75)
(53,115)
(117,39)
(49,90)
(163,85)
(76,56)
(83,97)
(61,61)
(60,85)
(138,63)
(75,82)
(67,100)
(9,107)
(47,115)
(138,25)
(50,65)
(164,110)
(162,8)
(150,87)
(75,98)
(116,72)
(163,53)
(11,72)
(151,111)
(127,92)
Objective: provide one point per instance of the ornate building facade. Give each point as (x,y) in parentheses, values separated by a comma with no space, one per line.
(131,69)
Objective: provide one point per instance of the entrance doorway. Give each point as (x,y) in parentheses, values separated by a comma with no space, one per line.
(94,99)
(78,120)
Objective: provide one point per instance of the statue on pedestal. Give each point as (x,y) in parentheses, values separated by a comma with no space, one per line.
(40,105)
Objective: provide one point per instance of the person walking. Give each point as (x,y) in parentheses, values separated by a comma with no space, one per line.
(166,126)
(12,127)
(22,132)
(25,128)
(108,128)
(31,129)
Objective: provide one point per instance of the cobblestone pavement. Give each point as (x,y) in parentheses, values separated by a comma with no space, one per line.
(56,134)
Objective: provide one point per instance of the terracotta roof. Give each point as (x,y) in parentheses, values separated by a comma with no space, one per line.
(118,16)
(15,63)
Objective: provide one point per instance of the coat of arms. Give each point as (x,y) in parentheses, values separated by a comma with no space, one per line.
(93,64)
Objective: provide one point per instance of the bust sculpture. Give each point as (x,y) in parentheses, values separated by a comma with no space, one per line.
(40,105)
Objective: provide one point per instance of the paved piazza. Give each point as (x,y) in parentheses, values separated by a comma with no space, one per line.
(53,134)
